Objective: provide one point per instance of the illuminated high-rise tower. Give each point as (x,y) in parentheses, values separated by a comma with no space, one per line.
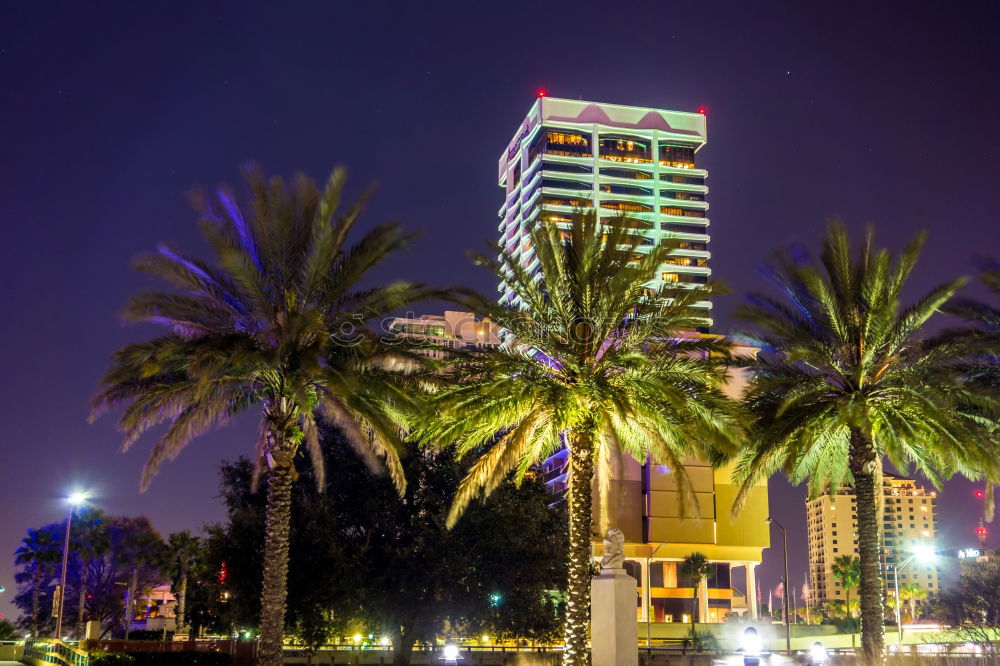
(570,154)
(640,163)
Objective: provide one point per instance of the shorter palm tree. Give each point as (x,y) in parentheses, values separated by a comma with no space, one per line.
(911,593)
(696,568)
(183,551)
(39,553)
(90,541)
(847,569)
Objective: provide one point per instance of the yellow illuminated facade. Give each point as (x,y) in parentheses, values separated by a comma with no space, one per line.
(908,523)
(645,505)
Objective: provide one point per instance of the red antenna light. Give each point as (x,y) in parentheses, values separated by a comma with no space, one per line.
(703,110)
(979,494)
(541,92)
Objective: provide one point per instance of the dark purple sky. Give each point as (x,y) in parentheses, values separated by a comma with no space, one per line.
(110,111)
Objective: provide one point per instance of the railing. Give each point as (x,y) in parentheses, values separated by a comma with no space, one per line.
(54,652)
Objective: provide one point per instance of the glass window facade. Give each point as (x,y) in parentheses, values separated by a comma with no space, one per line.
(625,149)
(566,184)
(569,144)
(682,195)
(626,173)
(576,202)
(682,179)
(627,189)
(566,167)
(629,206)
(677,156)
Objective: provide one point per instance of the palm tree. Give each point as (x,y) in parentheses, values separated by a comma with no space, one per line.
(844,380)
(39,553)
(90,542)
(184,549)
(847,568)
(911,593)
(278,324)
(695,567)
(597,365)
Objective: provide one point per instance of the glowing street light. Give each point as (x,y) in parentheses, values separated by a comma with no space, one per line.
(451,654)
(75,499)
(924,554)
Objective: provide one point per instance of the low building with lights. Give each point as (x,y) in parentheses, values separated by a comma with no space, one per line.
(155,610)
(452,330)
(908,527)
(971,560)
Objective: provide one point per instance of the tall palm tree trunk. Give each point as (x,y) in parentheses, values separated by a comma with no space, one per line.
(863,467)
(182,604)
(81,611)
(274,588)
(36,594)
(581,475)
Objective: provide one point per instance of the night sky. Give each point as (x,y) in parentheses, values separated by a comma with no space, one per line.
(111,111)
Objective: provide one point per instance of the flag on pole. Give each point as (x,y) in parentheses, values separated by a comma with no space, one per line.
(779,591)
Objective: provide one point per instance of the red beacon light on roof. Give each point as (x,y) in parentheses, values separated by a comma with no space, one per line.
(703,110)
(541,92)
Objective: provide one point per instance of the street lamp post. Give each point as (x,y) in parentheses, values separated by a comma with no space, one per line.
(74,501)
(784,596)
(649,596)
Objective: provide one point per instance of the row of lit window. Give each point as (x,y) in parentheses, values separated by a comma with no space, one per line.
(622,189)
(686,261)
(688,278)
(681,212)
(620,149)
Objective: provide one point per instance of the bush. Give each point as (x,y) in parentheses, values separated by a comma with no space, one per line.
(160,659)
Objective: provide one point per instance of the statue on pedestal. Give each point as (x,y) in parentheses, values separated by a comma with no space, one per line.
(614,549)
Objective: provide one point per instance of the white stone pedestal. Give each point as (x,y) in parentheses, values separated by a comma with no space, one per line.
(614,629)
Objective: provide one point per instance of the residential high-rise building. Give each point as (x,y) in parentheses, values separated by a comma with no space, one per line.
(907,523)
(618,160)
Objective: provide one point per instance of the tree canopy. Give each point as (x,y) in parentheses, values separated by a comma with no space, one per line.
(375,551)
